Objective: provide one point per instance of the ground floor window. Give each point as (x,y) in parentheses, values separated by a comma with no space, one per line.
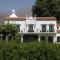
(28,38)
(58,39)
(42,38)
(50,39)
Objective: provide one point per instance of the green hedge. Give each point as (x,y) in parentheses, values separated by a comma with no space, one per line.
(29,51)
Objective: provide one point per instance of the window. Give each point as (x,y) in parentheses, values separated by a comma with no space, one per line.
(58,39)
(50,39)
(30,29)
(42,38)
(51,28)
(43,28)
(18,27)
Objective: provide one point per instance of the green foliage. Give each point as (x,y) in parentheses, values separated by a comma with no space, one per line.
(29,51)
(46,8)
(9,30)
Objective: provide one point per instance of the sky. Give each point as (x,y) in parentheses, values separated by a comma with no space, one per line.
(6,5)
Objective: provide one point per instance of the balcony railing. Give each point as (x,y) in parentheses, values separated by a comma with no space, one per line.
(52,30)
(30,30)
(43,30)
(35,30)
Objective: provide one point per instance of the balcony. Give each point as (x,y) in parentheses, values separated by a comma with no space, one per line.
(36,31)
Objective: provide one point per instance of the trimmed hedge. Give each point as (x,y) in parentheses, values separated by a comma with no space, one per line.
(14,50)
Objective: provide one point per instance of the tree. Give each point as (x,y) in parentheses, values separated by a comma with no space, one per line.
(11,29)
(46,8)
(8,30)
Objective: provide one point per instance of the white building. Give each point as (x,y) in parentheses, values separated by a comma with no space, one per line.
(36,28)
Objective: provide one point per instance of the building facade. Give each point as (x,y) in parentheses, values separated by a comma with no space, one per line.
(36,28)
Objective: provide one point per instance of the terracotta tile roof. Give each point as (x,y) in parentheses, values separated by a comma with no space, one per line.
(37,18)
(17,19)
(46,18)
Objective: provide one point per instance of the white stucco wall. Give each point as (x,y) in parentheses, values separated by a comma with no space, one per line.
(36,24)
(39,23)
(58,34)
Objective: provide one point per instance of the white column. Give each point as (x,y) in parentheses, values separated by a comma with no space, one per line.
(55,39)
(55,28)
(21,38)
(39,38)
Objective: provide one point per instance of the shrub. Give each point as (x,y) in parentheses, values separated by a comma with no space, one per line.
(29,51)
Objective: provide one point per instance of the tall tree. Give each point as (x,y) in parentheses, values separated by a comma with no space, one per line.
(46,8)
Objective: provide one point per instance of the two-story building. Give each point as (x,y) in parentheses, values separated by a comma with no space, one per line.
(36,28)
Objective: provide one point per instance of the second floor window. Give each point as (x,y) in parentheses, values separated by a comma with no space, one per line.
(30,28)
(43,28)
(51,28)
(18,27)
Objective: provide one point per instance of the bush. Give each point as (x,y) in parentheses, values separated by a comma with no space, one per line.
(29,51)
